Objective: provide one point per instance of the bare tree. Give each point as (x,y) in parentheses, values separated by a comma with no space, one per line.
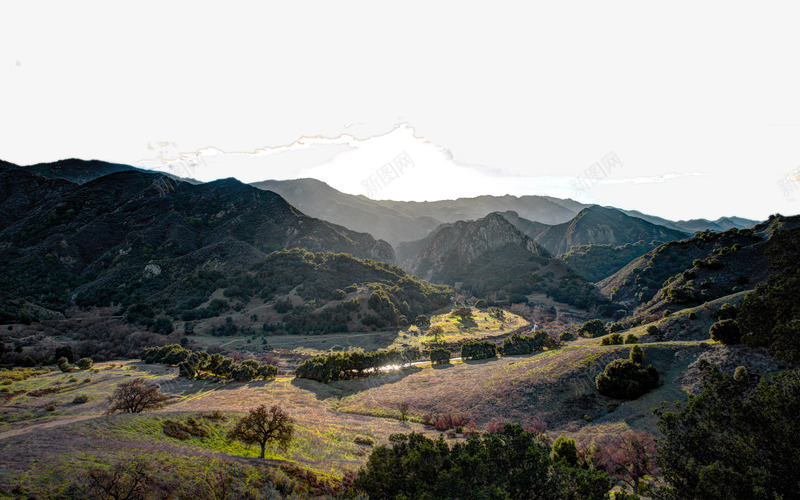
(629,457)
(262,426)
(123,481)
(136,396)
(403,407)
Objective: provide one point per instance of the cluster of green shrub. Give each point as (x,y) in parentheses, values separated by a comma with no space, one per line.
(191,363)
(478,349)
(510,463)
(627,378)
(526,344)
(596,262)
(353,364)
(440,356)
(617,339)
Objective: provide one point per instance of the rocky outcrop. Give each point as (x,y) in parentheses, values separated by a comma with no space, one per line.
(461,243)
(602,226)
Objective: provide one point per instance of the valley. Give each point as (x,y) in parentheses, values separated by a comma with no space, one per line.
(371,324)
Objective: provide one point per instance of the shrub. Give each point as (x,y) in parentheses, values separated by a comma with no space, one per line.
(85,363)
(592,328)
(28,362)
(615,327)
(566,336)
(179,430)
(465,313)
(631,339)
(692,315)
(64,365)
(478,349)
(366,441)
(627,378)
(481,304)
(653,330)
(727,311)
(726,331)
(440,356)
(613,339)
(79,400)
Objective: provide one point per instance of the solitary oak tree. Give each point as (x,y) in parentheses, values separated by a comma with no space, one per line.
(437,331)
(262,426)
(136,396)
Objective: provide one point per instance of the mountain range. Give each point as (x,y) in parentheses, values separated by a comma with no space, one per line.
(406,221)
(65,243)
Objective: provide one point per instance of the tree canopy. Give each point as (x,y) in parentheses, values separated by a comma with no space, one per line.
(512,463)
(262,426)
(136,396)
(737,438)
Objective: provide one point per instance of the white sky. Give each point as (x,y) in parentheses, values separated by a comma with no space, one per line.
(699,101)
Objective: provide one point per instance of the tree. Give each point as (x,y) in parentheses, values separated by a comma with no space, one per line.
(63,364)
(465,313)
(437,331)
(64,351)
(85,363)
(627,378)
(636,355)
(628,457)
(440,356)
(136,396)
(613,339)
(403,408)
(511,463)
(262,426)
(726,331)
(736,438)
(770,315)
(123,481)
(421,321)
(564,449)
(592,328)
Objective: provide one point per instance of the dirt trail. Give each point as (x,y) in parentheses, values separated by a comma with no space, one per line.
(47,425)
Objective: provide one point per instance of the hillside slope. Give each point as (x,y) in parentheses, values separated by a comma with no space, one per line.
(491,258)
(63,242)
(701,268)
